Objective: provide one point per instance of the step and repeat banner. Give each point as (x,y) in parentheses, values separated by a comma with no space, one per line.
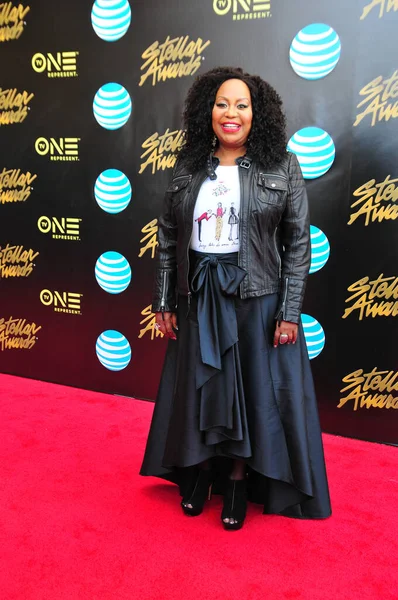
(91,96)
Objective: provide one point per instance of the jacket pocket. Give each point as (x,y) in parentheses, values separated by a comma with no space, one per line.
(272,189)
(178,187)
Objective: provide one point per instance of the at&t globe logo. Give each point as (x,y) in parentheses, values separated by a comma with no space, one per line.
(314,149)
(113,350)
(320,249)
(112,191)
(315,51)
(112,106)
(314,335)
(111,19)
(113,272)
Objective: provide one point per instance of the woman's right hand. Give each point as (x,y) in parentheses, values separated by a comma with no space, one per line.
(167,323)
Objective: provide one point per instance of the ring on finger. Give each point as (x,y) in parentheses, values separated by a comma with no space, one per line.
(157,326)
(283,338)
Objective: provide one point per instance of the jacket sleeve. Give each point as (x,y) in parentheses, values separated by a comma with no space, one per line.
(164,290)
(296,259)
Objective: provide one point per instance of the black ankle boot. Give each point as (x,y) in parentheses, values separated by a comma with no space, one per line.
(198,490)
(235,503)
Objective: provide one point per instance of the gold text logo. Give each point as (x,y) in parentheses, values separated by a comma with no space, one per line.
(150,239)
(58,149)
(376,201)
(17,334)
(379,100)
(160,150)
(15,186)
(174,58)
(377,298)
(14,106)
(61,228)
(243,9)
(62,64)
(148,323)
(370,390)
(64,302)
(15,261)
(384,6)
(12,21)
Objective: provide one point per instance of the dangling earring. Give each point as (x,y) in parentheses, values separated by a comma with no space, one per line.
(214,143)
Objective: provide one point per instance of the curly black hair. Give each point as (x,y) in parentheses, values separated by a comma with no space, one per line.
(267,140)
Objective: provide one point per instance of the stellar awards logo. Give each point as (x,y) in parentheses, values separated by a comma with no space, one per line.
(15,186)
(243,9)
(17,334)
(62,64)
(14,106)
(12,21)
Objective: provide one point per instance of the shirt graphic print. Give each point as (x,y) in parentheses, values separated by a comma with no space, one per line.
(216,214)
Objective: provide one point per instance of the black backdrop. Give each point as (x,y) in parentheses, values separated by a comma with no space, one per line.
(52,309)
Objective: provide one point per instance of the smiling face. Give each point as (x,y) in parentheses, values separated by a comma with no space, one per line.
(232,114)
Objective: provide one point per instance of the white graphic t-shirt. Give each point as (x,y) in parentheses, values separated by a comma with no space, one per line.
(216,214)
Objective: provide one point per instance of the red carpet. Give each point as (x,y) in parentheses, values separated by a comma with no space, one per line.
(77,522)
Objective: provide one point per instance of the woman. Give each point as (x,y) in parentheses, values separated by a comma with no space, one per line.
(236,408)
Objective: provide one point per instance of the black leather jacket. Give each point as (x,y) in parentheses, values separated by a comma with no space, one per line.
(274,234)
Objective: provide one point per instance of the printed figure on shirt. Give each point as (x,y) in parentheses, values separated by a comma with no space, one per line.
(233,221)
(206,215)
(219,221)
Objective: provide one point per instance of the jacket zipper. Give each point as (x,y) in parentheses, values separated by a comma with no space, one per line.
(163,297)
(284,298)
(278,255)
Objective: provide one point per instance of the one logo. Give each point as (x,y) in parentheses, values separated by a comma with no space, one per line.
(12,21)
(15,186)
(58,149)
(60,228)
(62,64)
(113,350)
(112,191)
(14,106)
(160,150)
(320,249)
(64,302)
(314,335)
(112,106)
(111,19)
(15,261)
(372,389)
(17,334)
(315,51)
(172,59)
(113,272)
(315,151)
(243,9)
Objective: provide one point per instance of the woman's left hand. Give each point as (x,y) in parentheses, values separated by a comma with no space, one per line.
(285,333)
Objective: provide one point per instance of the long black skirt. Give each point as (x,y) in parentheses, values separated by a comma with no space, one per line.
(280,436)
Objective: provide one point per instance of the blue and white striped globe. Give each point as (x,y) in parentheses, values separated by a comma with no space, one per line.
(113,350)
(112,106)
(111,19)
(320,249)
(113,272)
(112,191)
(314,336)
(315,51)
(314,149)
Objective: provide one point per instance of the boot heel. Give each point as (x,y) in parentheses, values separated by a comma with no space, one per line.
(235,504)
(199,491)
